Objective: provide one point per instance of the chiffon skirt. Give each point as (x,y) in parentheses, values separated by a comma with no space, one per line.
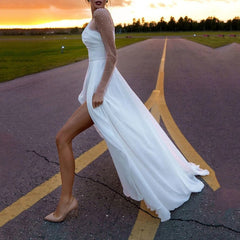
(149,165)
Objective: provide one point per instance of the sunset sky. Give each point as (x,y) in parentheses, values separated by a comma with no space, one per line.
(71,13)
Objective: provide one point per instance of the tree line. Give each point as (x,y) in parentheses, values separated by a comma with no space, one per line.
(139,25)
(182,24)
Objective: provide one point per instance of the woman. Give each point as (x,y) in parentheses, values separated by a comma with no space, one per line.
(149,166)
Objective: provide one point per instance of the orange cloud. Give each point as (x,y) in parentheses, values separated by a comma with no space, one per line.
(28,12)
(42,15)
(60,4)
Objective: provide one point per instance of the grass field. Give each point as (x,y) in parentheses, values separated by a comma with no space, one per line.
(186,34)
(20,56)
(208,38)
(215,41)
(23,55)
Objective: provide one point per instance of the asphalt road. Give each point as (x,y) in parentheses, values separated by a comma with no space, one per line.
(202,91)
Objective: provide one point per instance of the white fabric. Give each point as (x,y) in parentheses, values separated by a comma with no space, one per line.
(149,165)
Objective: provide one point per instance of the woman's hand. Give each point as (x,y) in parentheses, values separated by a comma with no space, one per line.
(97,99)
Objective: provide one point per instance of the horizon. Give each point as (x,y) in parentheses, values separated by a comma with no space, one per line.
(42,14)
(122,24)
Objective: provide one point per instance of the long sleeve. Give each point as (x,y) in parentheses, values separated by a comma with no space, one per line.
(104,25)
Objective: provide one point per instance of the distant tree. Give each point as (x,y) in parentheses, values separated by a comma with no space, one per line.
(229,25)
(195,26)
(187,23)
(172,24)
(145,27)
(236,24)
(137,26)
(162,25)
(221,26)
(180,24)
(212,24)
(119,28)
(202,25)
(152,26)
(208,23)
(74,30)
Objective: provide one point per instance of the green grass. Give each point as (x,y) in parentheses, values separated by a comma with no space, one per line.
(180,34)
(23,55)
(214,41)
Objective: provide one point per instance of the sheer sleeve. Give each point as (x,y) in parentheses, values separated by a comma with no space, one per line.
(104,25)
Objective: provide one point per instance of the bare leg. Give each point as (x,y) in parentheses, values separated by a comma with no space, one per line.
(78,122)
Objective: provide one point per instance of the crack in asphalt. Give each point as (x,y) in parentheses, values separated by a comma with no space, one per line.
(206,224)
(93,180)
(41,156)
(113,190)
(134,204)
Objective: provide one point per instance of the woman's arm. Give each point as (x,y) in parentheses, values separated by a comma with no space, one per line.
(104,25)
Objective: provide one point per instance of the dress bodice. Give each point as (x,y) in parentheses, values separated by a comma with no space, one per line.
(93,41)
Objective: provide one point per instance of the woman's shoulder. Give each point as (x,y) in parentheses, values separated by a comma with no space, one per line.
(102,14)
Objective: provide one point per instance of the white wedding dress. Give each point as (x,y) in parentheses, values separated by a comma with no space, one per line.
(149,165)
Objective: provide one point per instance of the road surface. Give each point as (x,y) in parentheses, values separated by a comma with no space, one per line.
(202,93)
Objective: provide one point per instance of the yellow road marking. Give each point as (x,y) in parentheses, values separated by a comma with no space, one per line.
(47,187)
(181,142)
(145,227)
(161,68)
(157,102)
(185,147)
